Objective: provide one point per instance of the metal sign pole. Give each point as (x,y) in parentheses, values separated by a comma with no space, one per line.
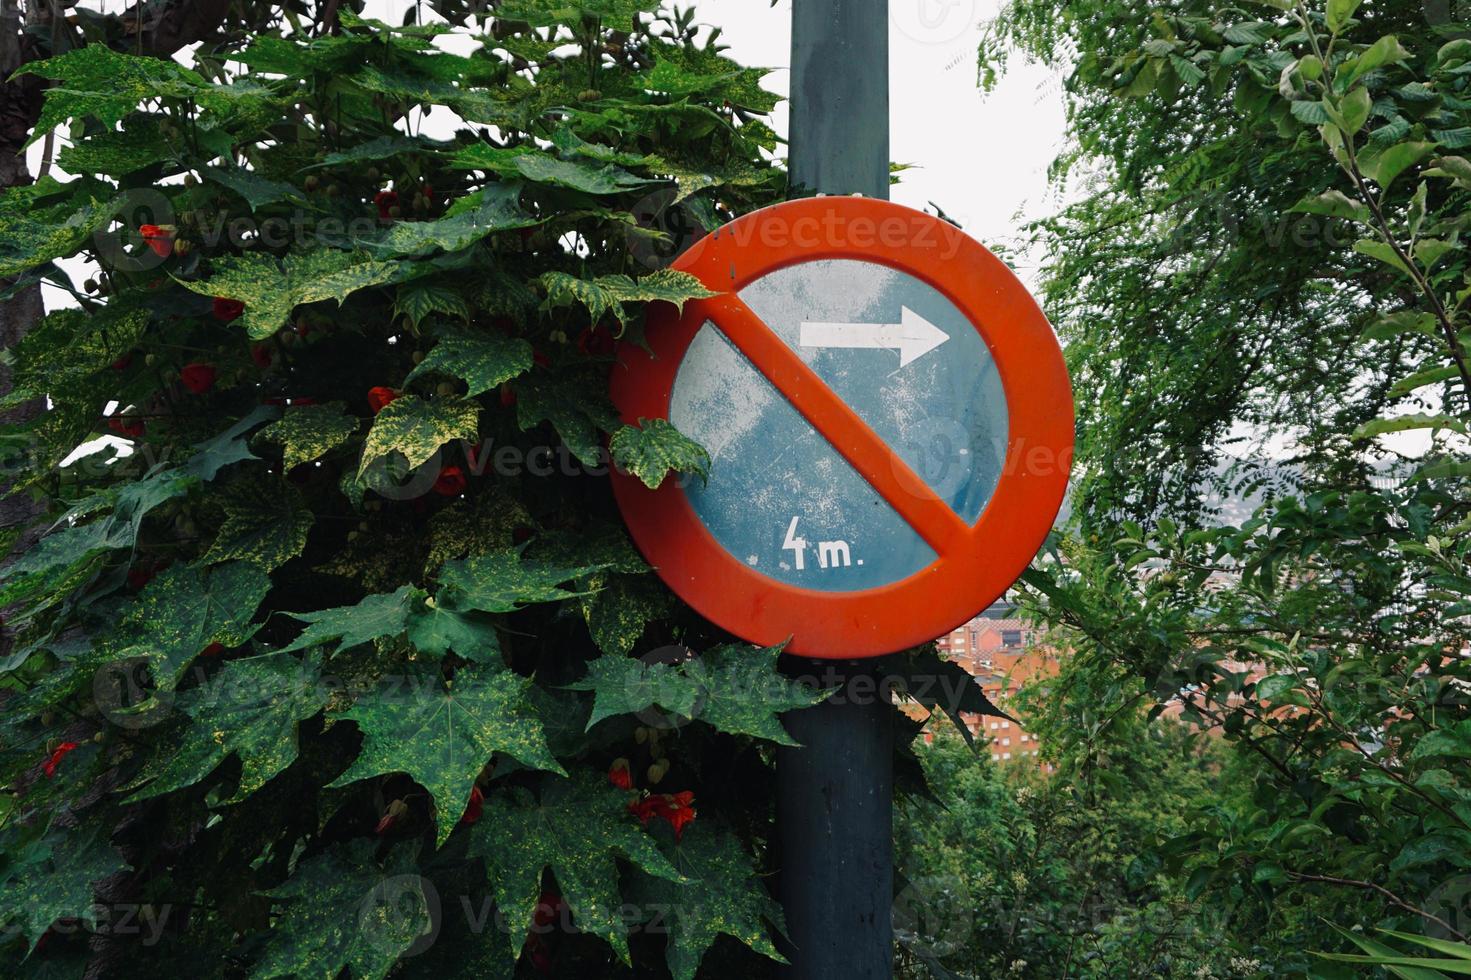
(835,794)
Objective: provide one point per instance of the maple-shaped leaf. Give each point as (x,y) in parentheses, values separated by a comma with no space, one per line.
(745,693)
(735,688)
(577,410)
(941,685)
(309,432)
(504,581)
(54,877)
(266,523)
(654,449)
(625,686)
(344,627)
(118,153)
(482,359)
(95,80)
(577,827)
(438,629)
(441,735)
(250,709)
(496,208)
(416,301)
(607,294)
(341,909)
(722,894)
(186,609)
(271,290)
(541,167)
(416,428)
(621,608)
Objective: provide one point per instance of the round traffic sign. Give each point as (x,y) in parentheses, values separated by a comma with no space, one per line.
(889,422)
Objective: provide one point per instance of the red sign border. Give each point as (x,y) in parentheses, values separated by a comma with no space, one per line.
(976,564)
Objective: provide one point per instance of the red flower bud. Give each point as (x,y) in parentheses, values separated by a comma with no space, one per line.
(386,201)
(123,363)
(380,397)
(139,577)
(261,355)
(620,775)
(160,238)
(226,309)
(396,811)
(475,808)
(126,427)
(198,378)
(56,757)
(540,359)
(508,396)
(596,342)
(213,650)
(451,482)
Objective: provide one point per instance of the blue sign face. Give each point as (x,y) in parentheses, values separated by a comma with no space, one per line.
(780,498)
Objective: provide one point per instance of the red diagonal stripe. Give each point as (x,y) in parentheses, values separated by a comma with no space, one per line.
(931,517)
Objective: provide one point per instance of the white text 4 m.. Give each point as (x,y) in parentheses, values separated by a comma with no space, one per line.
(830,554)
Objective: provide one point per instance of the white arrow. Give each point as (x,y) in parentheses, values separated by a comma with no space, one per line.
(913,336)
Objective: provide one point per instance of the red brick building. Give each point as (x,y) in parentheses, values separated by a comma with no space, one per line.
(1001,652)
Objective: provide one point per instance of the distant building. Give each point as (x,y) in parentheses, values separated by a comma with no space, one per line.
(1000,651)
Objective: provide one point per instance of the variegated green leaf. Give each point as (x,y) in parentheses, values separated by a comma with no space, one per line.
(416,428)
(623,685)
(94,80)
(250,710)
(309,432)
(745,693)
(540,167)
(577,827)
(342,910)
(34,231)
(482,359)
(345,627)
(578,412)
(497,208)
(655,448)
(270,290)
(186,609)
(266,523)
(503,582)
(607,294)
(418,301)
(441,735)
(55,877)
(722,895)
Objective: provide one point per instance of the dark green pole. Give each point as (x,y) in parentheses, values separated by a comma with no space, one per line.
(835,794)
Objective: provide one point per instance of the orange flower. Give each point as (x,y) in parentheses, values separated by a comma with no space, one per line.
(386,201)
